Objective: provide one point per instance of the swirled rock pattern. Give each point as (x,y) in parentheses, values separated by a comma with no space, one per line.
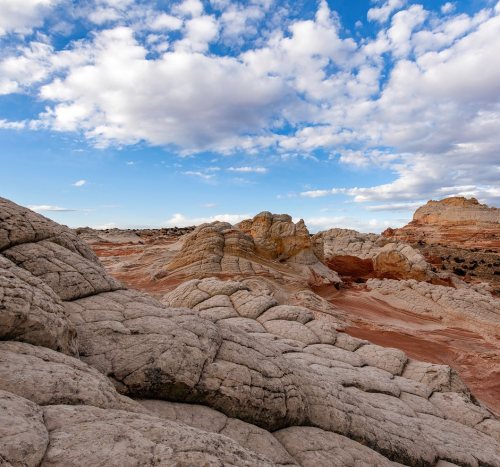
(280,385)
(474,305)
(269,244)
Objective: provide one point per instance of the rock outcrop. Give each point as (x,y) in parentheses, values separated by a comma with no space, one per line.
(283,387)
(269,245)
(457,222)
(359,255)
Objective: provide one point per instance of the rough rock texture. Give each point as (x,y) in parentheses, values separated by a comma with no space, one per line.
(472,305)
(458,326)
(31,311)
(278,375)
(356,254)
(47,377)
(269,244)
(23,436)
(84,435)
(345,384)
(19,225)
(276,236)
(313,447)
(204,418)
(270,253)
(457,221)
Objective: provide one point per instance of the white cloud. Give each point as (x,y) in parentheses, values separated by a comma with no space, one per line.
(199,32)
(315,193)
(410,100)
(165,22)
(189,8)
(257,170)
(10,125)
(21,16)
(107,226)
(448,7)
(199,174)
(118,95)
(80,183)
(382,13)
(180,220)
(30,66)
(396,206)
(48,208)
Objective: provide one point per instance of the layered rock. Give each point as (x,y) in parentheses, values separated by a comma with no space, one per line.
(361,255)
(270,245)
(279,376)
(457,221)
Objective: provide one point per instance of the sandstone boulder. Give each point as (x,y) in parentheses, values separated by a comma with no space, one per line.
(30,311)
(46,377)
(23,436)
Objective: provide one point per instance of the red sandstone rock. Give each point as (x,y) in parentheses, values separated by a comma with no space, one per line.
(457,221)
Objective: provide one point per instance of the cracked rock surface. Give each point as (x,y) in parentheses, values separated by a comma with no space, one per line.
(230,376)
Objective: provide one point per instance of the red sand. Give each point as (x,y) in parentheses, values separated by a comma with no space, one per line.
(477,361)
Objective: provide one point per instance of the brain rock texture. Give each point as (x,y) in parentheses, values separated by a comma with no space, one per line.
(213,374)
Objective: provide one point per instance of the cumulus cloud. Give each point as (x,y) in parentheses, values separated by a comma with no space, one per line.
(396,206)
(80,183)
(448,7)
(167,22)
(180,220)
(409,100)
(117,95)
(22,17)
(382,13)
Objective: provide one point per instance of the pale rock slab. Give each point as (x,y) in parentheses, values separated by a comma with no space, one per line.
(46,377)
(23,436)
(84,435)
(249,436)
(313,447)
(30,311)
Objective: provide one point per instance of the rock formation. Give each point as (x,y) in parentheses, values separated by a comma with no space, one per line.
(457,222)
(359,255)
(270,253)
(217,374)
(269,245)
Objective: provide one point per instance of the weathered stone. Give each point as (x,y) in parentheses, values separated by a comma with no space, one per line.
(30,311)
(68,273)
(313,447)
(249,436)
(119,438)
(23,437)
(47,377)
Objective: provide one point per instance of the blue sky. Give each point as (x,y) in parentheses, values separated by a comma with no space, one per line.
(347,113)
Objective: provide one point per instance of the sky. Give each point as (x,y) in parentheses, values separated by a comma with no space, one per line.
(155,113)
